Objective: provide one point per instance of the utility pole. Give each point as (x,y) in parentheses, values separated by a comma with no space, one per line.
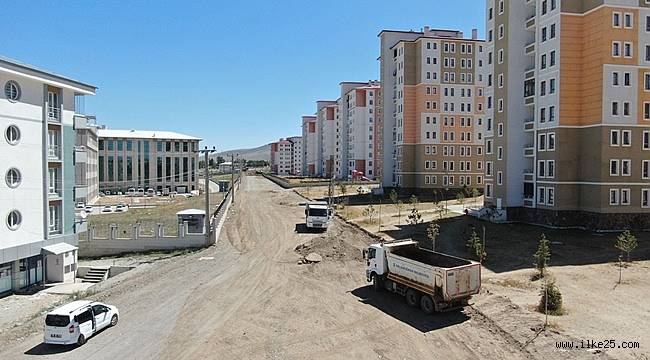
(206,220)
(232,176)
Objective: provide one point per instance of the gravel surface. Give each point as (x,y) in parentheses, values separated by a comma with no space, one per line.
(248,298)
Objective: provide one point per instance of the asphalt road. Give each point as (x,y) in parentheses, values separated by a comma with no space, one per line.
(247,298)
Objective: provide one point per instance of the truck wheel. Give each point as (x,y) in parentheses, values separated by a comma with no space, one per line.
(81,340)
(377,283)
(412,297)
(427,305)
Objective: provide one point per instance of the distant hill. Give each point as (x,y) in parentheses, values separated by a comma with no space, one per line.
(259,153)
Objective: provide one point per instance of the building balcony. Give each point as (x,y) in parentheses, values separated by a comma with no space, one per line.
(80,191)
(80,155)
(529,124)
(529,49)
(84,121)
(54,114)
(529,176)
(529,202)
(529,150)
(54,152)
(530,23)
(529,100)
(530,73)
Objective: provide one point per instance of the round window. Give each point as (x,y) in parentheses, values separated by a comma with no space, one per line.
(14,219)
(12,90)
(12,134)
(13,178)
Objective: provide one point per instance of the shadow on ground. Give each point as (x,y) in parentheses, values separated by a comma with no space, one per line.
(511,246)
(395,306)
(302,228)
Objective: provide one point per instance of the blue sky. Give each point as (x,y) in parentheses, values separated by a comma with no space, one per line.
(236,73)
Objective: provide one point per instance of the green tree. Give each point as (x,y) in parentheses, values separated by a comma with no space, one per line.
(414,217)
(433,230)
(460,196)
(626,242)
(475,246)
(542,256)
(212,163)
(370,212)
(220,160)
(201,164)
(551,299)
(343,188)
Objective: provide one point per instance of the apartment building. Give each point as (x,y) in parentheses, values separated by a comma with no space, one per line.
(164,161)
(310,146)
(432,106)
(285,156)
(86,159)
(326,115)
(37,157)
(572,148)
(296,154)
(361,136)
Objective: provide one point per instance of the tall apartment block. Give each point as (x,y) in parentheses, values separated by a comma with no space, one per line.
(433,112)
(37,161)
(164,161)
(568,109)
(285,156)
(296,154)
(361,104)
(310,146)
(86,159)
(326,115)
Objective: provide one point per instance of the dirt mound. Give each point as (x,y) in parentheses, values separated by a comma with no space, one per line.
(341,242)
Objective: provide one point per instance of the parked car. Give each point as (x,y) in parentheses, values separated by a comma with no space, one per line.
(130,192)
(140,192)
(89,208)
(107,209)
(121,208)
(77,321)
(151,192)
(80,206)
(101,194)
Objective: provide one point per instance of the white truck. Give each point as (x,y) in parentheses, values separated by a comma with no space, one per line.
(318,215)
(431,280)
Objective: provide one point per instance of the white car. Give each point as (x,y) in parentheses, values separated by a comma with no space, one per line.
(77,321)
(89,208)
(107,209)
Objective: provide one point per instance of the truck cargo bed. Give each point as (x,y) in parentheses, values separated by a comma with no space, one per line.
(430,258)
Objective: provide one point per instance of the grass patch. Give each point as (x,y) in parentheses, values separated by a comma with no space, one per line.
(164,213)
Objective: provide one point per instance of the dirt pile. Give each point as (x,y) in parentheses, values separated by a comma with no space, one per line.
(341,242)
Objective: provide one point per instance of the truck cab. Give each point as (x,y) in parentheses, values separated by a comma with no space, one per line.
(318,215)
(375,261)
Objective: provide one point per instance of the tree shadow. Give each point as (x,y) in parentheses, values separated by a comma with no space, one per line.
(395,306)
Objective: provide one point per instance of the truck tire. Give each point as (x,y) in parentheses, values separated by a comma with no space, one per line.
(377,283)
(427,305)
(412,297)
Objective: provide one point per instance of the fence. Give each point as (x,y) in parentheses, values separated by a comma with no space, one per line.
(139,241)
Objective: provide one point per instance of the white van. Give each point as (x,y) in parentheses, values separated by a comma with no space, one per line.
(75,322)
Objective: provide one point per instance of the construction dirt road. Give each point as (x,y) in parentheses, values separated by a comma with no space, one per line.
(249,298)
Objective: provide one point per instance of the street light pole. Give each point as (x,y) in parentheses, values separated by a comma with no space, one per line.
(206,220)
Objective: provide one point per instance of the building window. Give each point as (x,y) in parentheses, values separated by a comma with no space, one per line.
(616,48)
(613,167)
(550,196)
(627,20)
(625,196)
(12,90)
(614,138)
(646,111)
(645,169)
(626,137)
(626,167)
(541,195)
(627,49)
(12,135)
(551,142)
(616,19)
(613,196)
(646,140)
(13,178)
(14,219)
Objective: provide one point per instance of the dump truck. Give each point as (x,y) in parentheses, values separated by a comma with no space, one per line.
(431,280)
(318,215)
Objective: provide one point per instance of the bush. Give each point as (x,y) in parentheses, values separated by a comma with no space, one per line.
(554,299)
